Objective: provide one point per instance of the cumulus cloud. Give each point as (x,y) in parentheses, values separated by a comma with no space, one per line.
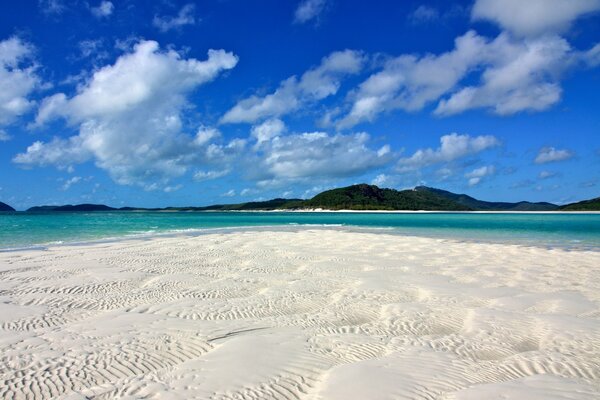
(309,10)
(409,82)
(18,79)
(316,155)
(514,76)
(104,9)
(292,93)
(533,17)
(185,16)
(129,117)
(267,130)
(452,147)
(551,154)
(478,174)
(520,76)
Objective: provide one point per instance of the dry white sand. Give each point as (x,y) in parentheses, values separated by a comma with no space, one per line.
(312,314)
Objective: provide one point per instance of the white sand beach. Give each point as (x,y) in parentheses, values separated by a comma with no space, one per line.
(306,314)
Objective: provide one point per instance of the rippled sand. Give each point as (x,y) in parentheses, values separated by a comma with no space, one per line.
(310,314)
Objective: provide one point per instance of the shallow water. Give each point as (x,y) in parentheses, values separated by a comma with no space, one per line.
(19,229)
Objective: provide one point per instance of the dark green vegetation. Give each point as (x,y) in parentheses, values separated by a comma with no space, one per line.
(5,207)
(71,208)
(586,205)
(359,197)
(370,197)
(480,205)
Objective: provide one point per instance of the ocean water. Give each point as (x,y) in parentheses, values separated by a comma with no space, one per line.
(22,230)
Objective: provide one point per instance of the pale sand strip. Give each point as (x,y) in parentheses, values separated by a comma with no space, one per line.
(312,314)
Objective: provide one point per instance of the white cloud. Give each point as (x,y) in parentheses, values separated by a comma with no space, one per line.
(70,182)
(185,16)
(409,82)
(170,189)
(315,84)
(4,136)
(129,118)
(208,175)
(533,17)
(452,147)
(51,6)
(267,130)
(17,79)
(315,156)
(104,9)
(478,174)
(380,180)
(520,76)
(547,174)
(308,10)
(514,76)
(230,193)
(550,154)
(424,14)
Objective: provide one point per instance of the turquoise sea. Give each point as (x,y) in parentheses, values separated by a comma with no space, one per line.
(21,230)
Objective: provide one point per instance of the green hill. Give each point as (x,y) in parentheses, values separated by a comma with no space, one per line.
(480,205)
(356,197)
(5,207)
(73,208)
(370,197)
(586,205)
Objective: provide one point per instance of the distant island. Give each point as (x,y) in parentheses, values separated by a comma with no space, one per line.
(356,197)
(5,207)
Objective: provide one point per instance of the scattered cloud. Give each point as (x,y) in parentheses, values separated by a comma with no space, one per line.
(229,193)
(452,147)
(547,174)
(170,189)
(309,10)
(514,76)
(293,93)
(521,76)
(18,79)
(200,176)
(551,154)
(267,130)
(533,17)
(129,118)
(103,10)
(4,136)
(49,7)
(314,156)
(70,182)
(424,14)
(380,180)
(588,184)
(185,16)
(476,175)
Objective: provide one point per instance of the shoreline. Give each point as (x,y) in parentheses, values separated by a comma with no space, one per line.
(313,313)
(315,210)
(293,227)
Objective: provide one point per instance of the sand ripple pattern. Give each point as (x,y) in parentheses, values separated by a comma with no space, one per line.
(307,314)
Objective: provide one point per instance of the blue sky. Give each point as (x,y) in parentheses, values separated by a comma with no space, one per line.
(189,103)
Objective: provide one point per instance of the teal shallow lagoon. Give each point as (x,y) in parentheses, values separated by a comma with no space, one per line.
(21,230)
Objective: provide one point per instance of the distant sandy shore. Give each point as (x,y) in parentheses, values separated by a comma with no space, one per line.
(308,314)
